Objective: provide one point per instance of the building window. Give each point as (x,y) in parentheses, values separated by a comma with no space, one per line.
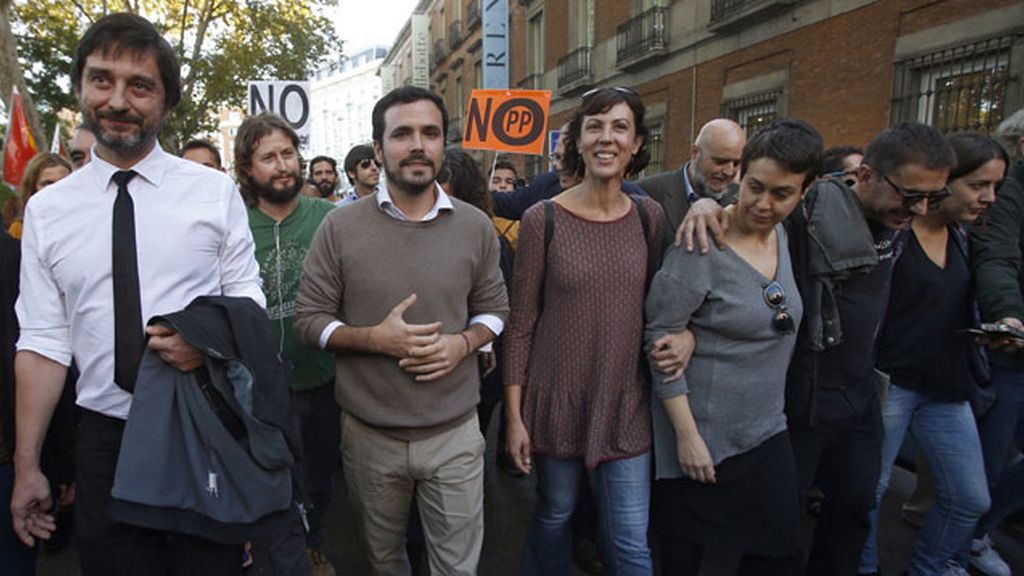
(753,112)
(535,48)
(655,147)
(580,31)
(959,88)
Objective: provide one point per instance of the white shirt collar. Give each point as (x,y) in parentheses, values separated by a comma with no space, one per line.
(387,206)
(152,167)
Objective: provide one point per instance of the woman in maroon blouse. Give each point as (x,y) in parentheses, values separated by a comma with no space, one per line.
(577,398)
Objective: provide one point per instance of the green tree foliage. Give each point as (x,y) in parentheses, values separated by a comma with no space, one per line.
(222,44)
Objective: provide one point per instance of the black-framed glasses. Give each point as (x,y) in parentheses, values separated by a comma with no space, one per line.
(775,298)
(911,197)
(620,89)
(365,163)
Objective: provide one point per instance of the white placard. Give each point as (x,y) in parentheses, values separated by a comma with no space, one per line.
(289,99)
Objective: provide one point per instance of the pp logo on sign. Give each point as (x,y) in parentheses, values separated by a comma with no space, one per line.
(507,120)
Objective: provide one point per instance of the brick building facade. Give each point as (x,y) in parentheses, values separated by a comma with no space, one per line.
(850,67)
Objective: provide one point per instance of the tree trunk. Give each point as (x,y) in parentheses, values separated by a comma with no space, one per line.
(11,75)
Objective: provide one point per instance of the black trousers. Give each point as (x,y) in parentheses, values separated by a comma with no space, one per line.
(107,548)
(751,512)
(841,456)
(318,419)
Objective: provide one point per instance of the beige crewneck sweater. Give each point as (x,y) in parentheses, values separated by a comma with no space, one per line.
(361,264)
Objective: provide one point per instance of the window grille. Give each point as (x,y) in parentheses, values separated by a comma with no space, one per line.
(956,89)
(753,112)
(655,145)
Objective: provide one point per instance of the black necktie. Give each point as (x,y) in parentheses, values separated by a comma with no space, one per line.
(129,338)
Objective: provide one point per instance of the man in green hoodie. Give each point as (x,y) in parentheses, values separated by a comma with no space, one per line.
(283,223)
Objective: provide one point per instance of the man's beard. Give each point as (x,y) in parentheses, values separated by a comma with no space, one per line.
(700,186)
(268,193)
(122,143)
(326,188)
(396,180)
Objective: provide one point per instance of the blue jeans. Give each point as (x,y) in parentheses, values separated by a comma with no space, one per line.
(623,492)
(999,429)
(947,437)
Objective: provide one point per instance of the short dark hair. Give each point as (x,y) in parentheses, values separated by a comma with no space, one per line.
(832,160)
(973,150)
(204,144)
(319,159)
(123,31)
(465,180)
(247,138)
(506,165)
(909,143)
(405,95)
(357,154)
(793,144)
(598,102)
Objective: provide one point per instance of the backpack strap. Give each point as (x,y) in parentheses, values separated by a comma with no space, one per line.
(645,223)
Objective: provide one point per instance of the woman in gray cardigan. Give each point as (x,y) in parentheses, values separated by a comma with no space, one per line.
(724,467)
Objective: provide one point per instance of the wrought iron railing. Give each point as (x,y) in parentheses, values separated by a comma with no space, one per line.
(642,35)
(472,14)
(725,9)
(454,34)
(440,50)
(574,67)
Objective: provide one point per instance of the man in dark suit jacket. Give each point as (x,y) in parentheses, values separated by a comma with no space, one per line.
(710,171)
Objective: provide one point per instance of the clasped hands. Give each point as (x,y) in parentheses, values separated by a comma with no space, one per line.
(421,348)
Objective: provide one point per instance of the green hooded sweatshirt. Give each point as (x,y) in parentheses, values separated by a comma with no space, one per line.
(280,249)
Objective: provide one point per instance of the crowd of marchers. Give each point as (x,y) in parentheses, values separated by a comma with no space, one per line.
(730,354)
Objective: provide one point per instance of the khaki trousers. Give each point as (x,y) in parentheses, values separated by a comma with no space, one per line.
(444,472)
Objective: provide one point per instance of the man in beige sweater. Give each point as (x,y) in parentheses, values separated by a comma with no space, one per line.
(404,287)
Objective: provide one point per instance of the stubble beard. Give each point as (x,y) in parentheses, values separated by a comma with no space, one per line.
(395,180)
(122,144)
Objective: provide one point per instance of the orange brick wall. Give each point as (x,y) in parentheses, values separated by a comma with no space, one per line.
(840,70)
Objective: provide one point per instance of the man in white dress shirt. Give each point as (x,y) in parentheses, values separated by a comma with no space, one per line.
(135,233)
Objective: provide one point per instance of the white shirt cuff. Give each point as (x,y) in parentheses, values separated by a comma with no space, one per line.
(325,336)
(493,323)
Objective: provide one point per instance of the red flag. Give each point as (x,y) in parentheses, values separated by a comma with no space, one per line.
(19,146)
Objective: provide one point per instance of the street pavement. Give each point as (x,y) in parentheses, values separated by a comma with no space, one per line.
(508,505)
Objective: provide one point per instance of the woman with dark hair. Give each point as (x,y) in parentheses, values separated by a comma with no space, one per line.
(931,363)
(576,393)
(41,171)
(996,249)
(723,462)
(460,176)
